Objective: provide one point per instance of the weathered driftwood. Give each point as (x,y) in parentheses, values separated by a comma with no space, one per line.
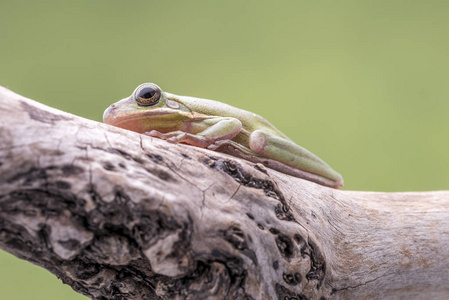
(117,215)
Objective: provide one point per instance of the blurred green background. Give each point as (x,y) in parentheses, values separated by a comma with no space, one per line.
(362,84)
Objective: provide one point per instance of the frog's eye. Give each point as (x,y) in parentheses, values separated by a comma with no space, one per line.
(147,94)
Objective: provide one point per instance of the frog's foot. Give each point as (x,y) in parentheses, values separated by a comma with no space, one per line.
(181,137)
(230,147)
(160,135)
(218,144)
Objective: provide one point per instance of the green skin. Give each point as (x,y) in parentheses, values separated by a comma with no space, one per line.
(217,126)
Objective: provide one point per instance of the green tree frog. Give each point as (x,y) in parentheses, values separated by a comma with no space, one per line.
(217,126)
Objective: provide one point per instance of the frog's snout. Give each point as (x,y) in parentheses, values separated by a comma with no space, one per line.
(109,113)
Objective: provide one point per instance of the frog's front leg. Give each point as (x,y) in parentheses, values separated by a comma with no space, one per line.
(281,150)
(209,131)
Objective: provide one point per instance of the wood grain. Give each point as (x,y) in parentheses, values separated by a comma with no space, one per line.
(118,215)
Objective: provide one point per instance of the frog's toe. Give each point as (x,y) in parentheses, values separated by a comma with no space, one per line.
(172,140)
(214,146)
(154,133)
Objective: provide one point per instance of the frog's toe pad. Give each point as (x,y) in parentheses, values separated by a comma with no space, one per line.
(154,133)
(213,146)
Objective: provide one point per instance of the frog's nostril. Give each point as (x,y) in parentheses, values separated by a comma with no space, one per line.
(112,105)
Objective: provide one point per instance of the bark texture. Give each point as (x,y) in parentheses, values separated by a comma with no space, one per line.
(117,215)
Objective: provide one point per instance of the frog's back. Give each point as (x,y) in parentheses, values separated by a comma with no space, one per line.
(250,121)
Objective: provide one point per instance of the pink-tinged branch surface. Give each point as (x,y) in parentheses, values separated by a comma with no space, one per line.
(118,215)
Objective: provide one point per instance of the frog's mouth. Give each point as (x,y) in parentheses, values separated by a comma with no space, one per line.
(138,121)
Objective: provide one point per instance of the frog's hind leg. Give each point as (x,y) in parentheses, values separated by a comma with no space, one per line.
(287,157)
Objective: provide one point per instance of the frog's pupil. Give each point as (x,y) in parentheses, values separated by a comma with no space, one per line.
(148,93)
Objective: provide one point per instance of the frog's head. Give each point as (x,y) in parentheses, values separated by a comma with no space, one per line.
(147,108)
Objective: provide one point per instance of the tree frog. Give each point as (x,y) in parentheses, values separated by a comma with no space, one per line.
(217,126)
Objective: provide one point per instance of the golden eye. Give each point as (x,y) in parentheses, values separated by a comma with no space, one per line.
(147,94)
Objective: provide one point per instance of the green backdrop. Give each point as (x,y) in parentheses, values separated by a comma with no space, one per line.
(362,84)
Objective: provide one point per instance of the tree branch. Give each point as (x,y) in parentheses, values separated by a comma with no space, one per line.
(118,215)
